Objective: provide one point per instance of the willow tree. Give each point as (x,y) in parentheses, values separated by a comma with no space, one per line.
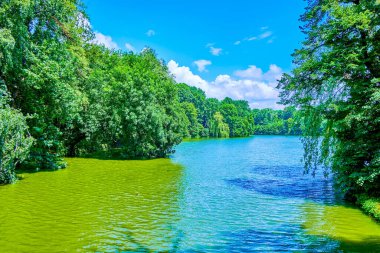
(336,85)
(219,128)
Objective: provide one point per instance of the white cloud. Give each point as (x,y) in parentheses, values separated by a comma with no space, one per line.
(265,35)
(252,72)
(105,40)
(184,75)
(202,64)
(273,75)
(129,47)
(237,43)
(215,51)
(256,74)
(252,84)
(150,33)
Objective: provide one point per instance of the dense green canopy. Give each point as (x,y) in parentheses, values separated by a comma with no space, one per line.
(277,122)
(132,105)
(209,117)
(41,64)
(336,84)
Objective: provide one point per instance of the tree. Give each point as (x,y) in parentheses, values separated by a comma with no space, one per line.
(42,66)
(191,113)
(277,122)
(238,116)
(236,113)
(219,128)
(336,86)
(132,105)
(15,141)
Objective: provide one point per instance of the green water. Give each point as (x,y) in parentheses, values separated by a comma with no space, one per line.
(231,195)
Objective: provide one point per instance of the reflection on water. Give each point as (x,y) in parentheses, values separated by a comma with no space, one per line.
(95,205)
(230,195)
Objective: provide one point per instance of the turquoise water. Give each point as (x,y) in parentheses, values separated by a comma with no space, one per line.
(221,195)
(250,194)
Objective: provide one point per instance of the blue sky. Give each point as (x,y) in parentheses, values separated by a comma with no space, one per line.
(228,48)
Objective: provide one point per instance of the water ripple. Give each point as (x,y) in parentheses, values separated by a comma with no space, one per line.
(232,195)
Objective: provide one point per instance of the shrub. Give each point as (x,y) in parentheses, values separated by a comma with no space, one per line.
(15,141)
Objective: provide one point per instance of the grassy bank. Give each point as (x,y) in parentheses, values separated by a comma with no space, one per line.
(370,205)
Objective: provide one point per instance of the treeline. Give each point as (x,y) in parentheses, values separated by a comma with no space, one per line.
(277,122)
(209,117)
(61,95)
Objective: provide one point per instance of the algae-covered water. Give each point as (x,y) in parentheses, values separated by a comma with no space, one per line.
(226,195)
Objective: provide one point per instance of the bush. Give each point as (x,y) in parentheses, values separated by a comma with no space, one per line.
(15,143)
(370,205)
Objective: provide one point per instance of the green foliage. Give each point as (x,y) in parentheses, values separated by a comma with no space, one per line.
(336,86)
(227,118)
(194,128)
(15,141)
(238,116)
(132,105)
(42,69)
(370,205)
(277,122)
(218,127)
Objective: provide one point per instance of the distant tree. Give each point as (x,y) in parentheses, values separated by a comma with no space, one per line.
(238,116)
(277,122)
(219,128)
(191,113)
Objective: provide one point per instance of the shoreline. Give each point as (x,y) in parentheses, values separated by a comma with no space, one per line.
(370,206)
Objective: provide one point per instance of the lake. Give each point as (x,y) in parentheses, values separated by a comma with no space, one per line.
(217,195)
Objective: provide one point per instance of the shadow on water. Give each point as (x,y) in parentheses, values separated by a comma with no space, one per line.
(290,238)
(288,182)
(370,244)
(286,239)
(326,223)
